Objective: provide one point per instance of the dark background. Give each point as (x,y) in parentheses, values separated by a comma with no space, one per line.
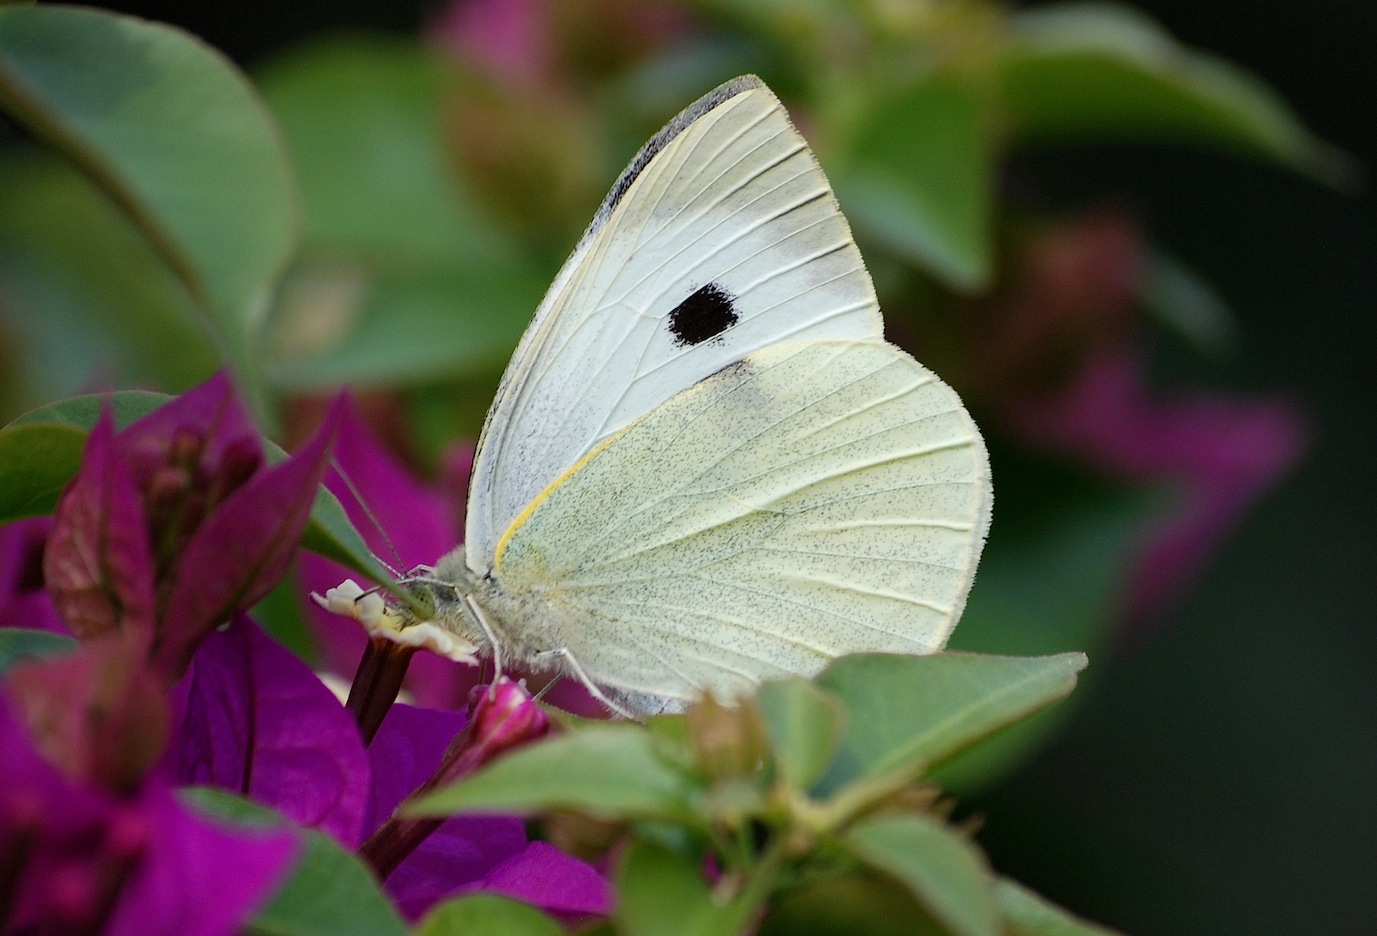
(1220,774)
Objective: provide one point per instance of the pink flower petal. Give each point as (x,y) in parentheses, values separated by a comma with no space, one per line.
(545,877)
(210,412)
(199,878)
(24,602)
(242,549)
(260,723)
(172,872)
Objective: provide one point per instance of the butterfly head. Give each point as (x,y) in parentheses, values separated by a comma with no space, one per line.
(428,615)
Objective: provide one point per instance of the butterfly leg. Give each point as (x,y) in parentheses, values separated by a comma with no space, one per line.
(571,661)
(481,620)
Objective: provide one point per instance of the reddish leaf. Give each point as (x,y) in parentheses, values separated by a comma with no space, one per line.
(98,564)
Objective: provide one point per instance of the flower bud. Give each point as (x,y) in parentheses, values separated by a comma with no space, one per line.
(502,716)
(729,742)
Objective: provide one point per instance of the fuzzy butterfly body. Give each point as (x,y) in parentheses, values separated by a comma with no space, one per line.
(704,466)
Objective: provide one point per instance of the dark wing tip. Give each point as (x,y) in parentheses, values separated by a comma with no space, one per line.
(722,93)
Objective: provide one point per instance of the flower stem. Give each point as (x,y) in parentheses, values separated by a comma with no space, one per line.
(502,716)
(376,684)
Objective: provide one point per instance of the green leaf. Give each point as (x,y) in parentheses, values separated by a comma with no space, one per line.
(487,915)
(417,281)
(942,869)
(849,905)
(41,451)
(907,709)
(82,412)
(919,179)
(18,644)
(1027,914)
(85,293)
(330,891)
(408,327)
(661,892)
(610,771)
(330,534)
(805,727)
(364,119)
(175,134)
(1101,70)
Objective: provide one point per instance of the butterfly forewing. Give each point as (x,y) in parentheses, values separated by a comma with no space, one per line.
(721,239)
(809,501)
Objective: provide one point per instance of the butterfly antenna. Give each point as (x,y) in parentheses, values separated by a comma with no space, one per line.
(372,518)
(544,690)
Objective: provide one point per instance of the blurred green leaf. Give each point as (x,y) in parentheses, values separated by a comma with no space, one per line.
(919,179)
(661,893)
(609,771)
(942,869)
(1096,69)
(329,893)
(487,915)
(81,412)
(1027,914)
(404,278)
(906,709)
(41,451)
(18,644)
(1178,298)
(176,135)
(364,117)
(805,727)
(414,327)
(281,616)
(848,905)
(83,294)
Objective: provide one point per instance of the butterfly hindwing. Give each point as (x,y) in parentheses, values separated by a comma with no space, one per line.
(721,239)
(809,501)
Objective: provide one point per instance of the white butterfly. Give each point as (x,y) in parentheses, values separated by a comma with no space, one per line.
(704,466)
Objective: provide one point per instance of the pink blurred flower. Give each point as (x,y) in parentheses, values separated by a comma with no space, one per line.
(533,45)
(94,843)
(507,39)
(1220,452)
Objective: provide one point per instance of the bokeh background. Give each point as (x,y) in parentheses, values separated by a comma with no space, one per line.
(1217,771)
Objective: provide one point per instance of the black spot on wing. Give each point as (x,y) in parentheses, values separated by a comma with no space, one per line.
(704,315)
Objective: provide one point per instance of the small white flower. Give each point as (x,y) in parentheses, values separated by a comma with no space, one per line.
(379,619)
